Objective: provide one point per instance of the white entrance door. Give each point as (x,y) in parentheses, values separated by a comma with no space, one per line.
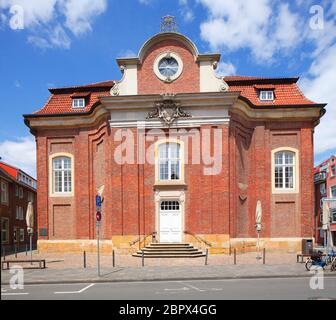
(170,222)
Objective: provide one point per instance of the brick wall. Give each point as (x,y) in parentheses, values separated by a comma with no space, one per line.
(189,80)
(9,211)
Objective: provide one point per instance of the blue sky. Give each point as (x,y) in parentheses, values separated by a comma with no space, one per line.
(69,42)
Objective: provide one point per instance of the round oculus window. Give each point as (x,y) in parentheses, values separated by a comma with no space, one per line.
(168,67)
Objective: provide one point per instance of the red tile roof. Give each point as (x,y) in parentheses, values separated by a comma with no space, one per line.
(258,79)
(10,170)
(61,99)
(286,92)
(80,94)
(103,84)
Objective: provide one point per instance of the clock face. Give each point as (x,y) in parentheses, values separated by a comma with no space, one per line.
(168,67)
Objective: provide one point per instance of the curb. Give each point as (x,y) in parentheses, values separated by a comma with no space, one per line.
(100,280)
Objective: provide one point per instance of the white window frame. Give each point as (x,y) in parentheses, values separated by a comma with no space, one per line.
(52,192)
(4,192)
(333,173)
(331,192)
(31,197)
(21,193)
(157,61)
(296,171)
(65,186)
(169,160)
(266,95)
(5,230)
(78,103)
(323,189)
(332,217)
(22,235)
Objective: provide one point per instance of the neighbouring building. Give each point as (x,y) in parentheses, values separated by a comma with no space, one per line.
(17,188)
(183,154)
(325,187)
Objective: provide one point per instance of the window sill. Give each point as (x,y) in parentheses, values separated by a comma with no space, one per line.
(170,183)
(61,195)
(285,191)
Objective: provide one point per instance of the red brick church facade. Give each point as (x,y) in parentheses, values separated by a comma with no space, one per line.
(171,107)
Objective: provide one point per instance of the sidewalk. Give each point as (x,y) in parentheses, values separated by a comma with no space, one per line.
(150,273)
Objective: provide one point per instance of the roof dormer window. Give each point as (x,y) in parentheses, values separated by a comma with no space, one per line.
(78,103)
(266,95)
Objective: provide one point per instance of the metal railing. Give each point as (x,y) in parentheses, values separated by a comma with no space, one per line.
(141,239)
(320,177)
(199,239)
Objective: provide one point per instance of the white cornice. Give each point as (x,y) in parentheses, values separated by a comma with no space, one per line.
(189,101)
(180,123)
(206,100)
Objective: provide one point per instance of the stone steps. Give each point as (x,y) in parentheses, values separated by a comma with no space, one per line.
(169,250)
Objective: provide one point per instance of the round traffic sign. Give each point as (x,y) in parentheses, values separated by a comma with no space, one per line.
(98,216)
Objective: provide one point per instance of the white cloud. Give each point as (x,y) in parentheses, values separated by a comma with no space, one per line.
(146,2)
(55,38)
(17,84)
(35,11)
(237,24)
(43,19)
(319,86)
(59,38)
(186,11)
(226,69)
(39,42)
(80,14)
(322,38)
(288,26)
(257,25)
(3,20)
(20,153)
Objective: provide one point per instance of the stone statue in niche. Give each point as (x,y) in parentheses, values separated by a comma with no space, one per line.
(242,191)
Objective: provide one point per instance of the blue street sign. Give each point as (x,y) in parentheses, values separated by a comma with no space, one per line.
(98,201)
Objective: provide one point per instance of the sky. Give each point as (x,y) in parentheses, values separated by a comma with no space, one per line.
(55,43)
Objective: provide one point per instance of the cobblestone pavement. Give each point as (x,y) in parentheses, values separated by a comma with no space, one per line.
(163,273)
(75,261)
(68,268)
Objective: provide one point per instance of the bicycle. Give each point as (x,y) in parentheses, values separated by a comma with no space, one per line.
(318,260)
(333,264)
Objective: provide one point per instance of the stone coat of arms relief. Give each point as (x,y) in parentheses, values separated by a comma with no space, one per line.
(167,111)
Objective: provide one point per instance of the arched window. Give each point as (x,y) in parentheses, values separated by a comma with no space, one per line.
(284,170)
(62,175)
(169,161)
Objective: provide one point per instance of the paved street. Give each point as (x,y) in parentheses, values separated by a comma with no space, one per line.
(151,273)
(260,289)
